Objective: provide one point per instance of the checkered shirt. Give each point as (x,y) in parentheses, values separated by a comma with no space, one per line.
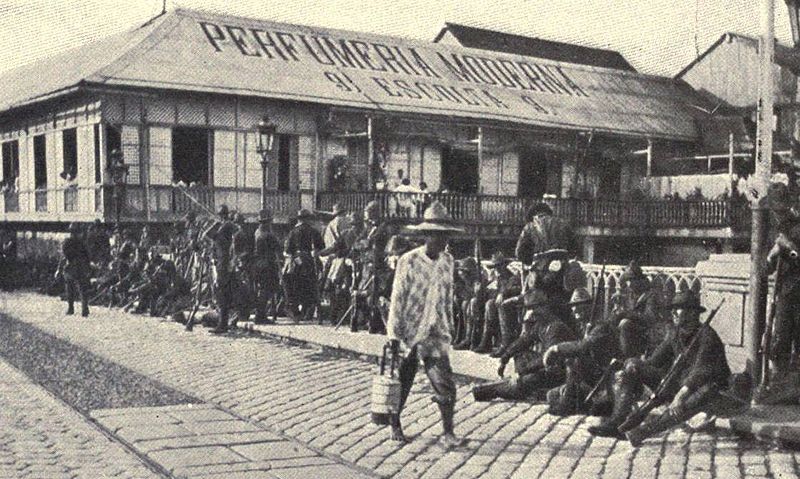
(421,309)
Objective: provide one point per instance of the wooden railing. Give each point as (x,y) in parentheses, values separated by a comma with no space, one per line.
(40,199)
(71,199)
(11,201)
(507,210)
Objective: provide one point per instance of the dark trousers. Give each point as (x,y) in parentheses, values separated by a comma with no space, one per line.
(438,371)
(225,291)
(526,385)
(77,283)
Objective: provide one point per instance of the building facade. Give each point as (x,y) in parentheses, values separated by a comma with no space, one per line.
(486,132)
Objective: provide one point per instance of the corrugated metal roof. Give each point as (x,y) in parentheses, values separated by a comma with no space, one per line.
(206,52)
(474,37)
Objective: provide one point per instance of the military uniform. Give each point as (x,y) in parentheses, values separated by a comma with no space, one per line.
(300,273)
(541,329)
(266,276)
(76,270)
(221,233)
(707,371)
(786,325)
(374,275)
(543,232)
(635,313)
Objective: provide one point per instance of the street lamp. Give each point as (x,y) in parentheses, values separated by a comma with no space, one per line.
(266,139)
(119,178)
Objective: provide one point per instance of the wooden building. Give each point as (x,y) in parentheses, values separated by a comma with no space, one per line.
(488,132)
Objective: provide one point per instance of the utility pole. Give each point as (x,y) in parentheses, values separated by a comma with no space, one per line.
(757,297)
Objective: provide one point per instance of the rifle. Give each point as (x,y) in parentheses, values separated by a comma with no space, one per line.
(766,337)
(636,417)
(601,286)
(610,369)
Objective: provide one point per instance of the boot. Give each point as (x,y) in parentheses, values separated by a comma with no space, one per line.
(70,309)
(484,392)
(466,342)
(485,345)
(84,309)
(623,403)
(650,428)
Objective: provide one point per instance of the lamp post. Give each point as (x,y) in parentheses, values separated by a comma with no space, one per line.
(119,178)
(266,139)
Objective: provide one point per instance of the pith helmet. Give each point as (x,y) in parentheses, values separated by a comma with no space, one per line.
(687,299)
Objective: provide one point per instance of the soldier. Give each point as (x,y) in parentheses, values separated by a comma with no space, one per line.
(76,270)
(468,293)
(421,319)
(266,272)
(543,232)
(99,244)
(635,312)
(221,234)
(336,226)
(506,286)
(339,270)
(692,388)
(372,272)
(588,358)
(300,275)
(542,328)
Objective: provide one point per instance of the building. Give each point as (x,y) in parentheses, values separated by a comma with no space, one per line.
(492,40)
(488,132)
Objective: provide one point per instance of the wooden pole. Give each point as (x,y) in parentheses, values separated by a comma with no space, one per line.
(758,239)
(370,155)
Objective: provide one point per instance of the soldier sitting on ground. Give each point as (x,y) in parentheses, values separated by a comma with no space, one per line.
(587,359)
(635,311)
(542,328)
(693,388)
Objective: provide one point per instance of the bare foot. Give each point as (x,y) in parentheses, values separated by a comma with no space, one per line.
(450,440)
(397,435)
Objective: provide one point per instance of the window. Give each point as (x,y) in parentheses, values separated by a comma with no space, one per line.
(69,148)
(190,155)
(10,152)
(113,141)
(40,161)
(284,162)
(97,166)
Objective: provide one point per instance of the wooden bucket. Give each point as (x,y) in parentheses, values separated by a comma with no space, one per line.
(385,392)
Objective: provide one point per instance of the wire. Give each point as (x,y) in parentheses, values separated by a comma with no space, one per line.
(696,28)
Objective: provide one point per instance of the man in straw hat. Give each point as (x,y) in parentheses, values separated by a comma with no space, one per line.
(693,387)
(300,274)
(421,318)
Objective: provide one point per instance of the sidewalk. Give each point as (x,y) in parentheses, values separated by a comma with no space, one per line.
(464,363)
(41,437)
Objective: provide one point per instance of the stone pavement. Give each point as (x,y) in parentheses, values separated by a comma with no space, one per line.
(323,401)
(200,440)
(41,437)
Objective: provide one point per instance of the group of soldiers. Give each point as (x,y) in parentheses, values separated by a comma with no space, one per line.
(535,310)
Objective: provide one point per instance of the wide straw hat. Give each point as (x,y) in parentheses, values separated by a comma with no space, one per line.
(686,299)
(580,296)
(436,218)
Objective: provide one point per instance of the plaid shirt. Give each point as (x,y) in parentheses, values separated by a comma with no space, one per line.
(421,310)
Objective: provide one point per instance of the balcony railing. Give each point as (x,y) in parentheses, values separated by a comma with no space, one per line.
(41,201)
(71,199)
(507,210)
(11,201)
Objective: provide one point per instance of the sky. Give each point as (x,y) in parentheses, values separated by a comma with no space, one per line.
(656,36)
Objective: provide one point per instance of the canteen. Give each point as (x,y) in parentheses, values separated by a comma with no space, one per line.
(385,390)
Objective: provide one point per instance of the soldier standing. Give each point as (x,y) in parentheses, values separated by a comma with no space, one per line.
(76,270)
(221,234)
(374,271)
(300,278)
(266,268)
(421,318)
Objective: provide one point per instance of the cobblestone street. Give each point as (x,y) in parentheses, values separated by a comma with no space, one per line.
(323,400)
(41,437)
